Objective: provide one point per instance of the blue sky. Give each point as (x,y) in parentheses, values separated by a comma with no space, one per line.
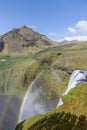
(58,19)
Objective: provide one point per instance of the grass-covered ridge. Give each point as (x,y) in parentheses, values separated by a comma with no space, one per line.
(54,121)
(75,117)
(17,72)
(75,101)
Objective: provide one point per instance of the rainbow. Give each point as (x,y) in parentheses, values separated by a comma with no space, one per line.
(6,114)
(23,103)
(25,99)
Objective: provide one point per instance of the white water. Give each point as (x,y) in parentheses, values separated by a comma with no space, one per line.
(77,77)
(60,102)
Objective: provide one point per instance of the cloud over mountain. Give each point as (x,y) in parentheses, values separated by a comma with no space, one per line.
(77,32)
(79,27)
(78,38)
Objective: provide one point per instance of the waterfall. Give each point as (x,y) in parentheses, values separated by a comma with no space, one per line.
(34,102)
(60,102)
(77,77)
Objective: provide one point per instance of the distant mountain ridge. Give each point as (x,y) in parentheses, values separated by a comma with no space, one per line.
(22,40)
(68,42)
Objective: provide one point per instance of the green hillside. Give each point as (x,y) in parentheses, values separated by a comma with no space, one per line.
(54,65)
(54,121)
(75,101)
(17,72)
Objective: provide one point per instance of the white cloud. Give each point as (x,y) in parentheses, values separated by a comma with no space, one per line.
(82,26)
(52,34)
(79,38)
(79,27)
(72,30)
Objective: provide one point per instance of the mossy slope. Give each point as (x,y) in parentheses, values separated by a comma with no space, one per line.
(54,121)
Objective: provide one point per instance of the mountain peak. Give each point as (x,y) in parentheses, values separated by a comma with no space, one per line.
(24,38)
(25,27)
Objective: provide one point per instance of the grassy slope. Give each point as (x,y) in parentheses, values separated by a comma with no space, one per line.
(11,72)
(74,106)
(65,59)
(54,121)
(75,101)
(17,73)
